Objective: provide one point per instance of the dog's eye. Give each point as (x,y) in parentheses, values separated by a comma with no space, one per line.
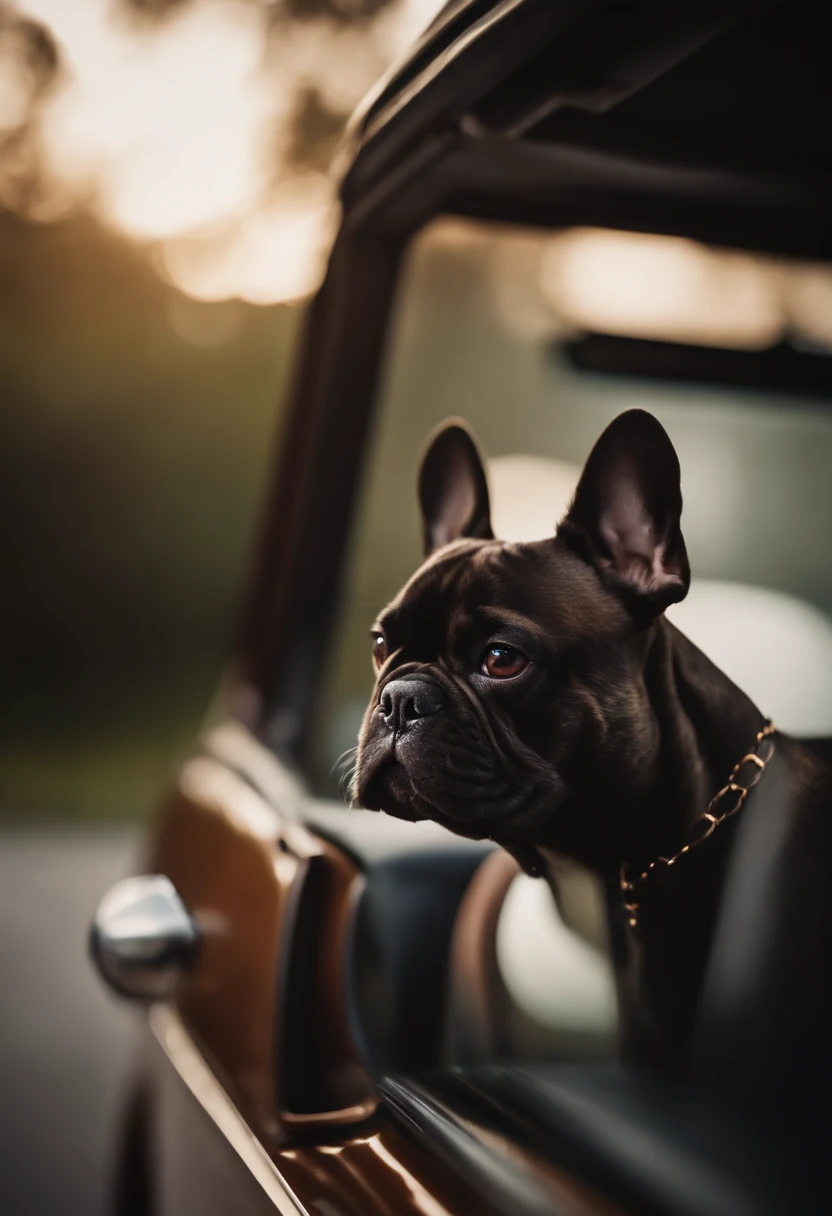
(503,662)
(379,650)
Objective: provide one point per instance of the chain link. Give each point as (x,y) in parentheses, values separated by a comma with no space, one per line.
(707,823)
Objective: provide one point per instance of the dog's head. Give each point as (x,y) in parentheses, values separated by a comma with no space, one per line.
(510,699)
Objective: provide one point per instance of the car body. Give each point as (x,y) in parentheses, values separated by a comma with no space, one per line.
(300,1058)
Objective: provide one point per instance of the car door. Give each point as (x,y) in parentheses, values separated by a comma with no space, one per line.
(321,966)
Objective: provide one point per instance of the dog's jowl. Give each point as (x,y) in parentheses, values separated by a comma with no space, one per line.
(536,694)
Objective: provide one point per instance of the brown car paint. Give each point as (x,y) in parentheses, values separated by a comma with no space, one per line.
(240,867)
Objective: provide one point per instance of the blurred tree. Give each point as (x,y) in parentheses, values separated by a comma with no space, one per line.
(29,68)
(153,8)
(345,11)
(135,421)
(135,430)
(314,131)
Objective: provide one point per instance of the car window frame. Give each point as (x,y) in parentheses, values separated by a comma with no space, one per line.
(453,169)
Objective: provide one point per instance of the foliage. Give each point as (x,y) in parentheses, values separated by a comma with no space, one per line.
(131,466)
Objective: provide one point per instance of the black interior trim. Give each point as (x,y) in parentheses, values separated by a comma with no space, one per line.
(500,1185)
(780,368)
(396,970)
(304,1066)
(656,1150)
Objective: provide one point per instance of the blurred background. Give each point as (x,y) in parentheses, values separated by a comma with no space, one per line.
(165,211)
(167,202)
(165,208)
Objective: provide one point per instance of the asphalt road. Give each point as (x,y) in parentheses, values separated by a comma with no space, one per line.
(65,1045)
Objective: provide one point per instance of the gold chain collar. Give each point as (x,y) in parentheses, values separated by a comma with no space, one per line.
(706,824)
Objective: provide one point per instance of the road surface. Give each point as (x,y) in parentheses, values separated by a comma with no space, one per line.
(64,1043)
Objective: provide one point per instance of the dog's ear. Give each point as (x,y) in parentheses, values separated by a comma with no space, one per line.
(626,513)
(453,491)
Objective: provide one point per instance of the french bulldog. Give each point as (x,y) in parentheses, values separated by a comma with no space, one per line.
(535,694)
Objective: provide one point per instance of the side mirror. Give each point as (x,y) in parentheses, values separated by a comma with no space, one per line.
(143,939)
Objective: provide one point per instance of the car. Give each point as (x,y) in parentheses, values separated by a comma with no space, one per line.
(550,209)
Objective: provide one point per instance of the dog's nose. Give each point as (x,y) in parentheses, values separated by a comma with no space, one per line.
(405,700)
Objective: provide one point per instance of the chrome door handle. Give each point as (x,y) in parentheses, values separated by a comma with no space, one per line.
(143,938)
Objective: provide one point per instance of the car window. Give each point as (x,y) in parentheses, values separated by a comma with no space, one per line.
(539,340)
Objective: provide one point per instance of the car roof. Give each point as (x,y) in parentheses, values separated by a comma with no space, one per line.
(667,108)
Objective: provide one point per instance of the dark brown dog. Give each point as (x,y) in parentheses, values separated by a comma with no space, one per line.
(536,694)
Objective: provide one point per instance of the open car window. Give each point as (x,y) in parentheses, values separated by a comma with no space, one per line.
(491,324)
(538,339)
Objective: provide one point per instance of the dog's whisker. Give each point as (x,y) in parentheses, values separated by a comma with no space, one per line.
(345,765)
(345,762)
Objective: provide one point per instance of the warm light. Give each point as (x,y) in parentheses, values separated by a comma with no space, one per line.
(662,287)
(421,1198)
(169,125)
(178,131)
(530,495)
(809,304)
(275,254)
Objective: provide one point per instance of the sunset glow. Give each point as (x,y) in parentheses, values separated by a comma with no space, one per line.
(177,132)
(182,132)
(662,287)
(678,290)
(278,252)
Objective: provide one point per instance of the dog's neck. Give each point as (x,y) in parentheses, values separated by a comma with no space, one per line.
(705,725)
(647,799)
